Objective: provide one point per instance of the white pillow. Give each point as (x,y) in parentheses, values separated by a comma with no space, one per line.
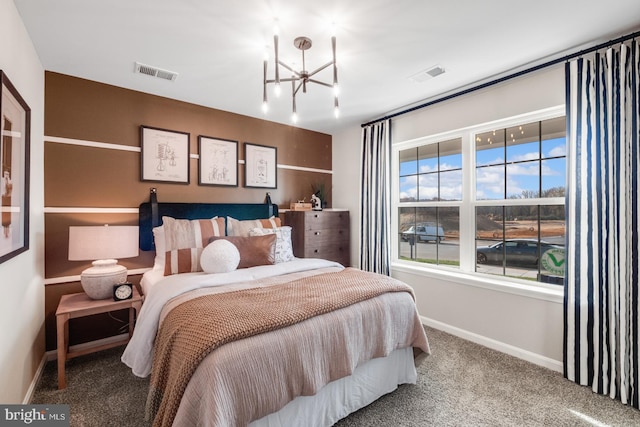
(158,238)
(284,251)
(220,256)
(241,228)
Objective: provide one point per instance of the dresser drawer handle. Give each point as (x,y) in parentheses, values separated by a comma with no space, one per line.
(315,251)
(317,233)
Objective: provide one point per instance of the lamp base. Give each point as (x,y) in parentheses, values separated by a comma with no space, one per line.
(98,280)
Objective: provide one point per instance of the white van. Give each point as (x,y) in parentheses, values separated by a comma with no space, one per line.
(424,232)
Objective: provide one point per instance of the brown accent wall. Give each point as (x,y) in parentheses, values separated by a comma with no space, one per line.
(78,176)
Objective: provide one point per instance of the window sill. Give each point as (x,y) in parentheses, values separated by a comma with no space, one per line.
(542,291)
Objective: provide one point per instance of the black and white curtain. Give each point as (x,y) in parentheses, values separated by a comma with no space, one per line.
(375,200)
(602,328)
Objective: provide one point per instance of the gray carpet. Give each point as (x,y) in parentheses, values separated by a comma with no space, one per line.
(460,384)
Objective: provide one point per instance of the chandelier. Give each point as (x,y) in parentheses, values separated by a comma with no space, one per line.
(299,79)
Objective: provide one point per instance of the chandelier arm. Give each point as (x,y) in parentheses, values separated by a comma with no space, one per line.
(264,84)
(290,79)
(321,83)
(317,70)
(297,89)
(289,68)
(275,48)
(293,101)
(335,66)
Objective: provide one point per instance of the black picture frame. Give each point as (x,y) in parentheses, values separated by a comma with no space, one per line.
(164,155)
(15,155)
(217,161)
(260,166)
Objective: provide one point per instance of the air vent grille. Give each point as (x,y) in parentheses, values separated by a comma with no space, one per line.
(155,72)
(427,74)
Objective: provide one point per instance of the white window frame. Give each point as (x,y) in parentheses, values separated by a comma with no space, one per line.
(466,274)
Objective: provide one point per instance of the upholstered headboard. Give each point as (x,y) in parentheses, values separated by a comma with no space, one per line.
(151,213)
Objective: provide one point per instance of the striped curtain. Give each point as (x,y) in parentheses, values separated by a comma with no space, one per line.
(375,201)
(601,292)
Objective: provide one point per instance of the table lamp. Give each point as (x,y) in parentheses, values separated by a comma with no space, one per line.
(104,244)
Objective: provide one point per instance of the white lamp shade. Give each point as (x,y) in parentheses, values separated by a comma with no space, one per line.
(102,242)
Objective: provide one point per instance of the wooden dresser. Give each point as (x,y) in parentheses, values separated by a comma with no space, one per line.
(320,234)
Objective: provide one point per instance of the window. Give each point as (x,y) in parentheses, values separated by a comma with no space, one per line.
(500,212)
(430,174)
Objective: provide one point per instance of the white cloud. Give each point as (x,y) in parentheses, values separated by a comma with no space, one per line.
(524,157)
(527,169)
(428,168)
(547,171)
(558,151)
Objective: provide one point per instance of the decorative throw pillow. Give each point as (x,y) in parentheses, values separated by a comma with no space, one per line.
(158,239)
(184,241)
(241,228)
(284,251)
(254,251)
(220,256)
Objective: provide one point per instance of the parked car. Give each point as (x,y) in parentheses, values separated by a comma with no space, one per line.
(424,232)
(517,252)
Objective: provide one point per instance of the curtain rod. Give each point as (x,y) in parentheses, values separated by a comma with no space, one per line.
(505,78)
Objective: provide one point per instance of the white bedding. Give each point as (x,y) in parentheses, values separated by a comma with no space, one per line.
(337,399)
(138,354)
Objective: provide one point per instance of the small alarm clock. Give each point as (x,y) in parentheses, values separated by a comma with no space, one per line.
(122,291)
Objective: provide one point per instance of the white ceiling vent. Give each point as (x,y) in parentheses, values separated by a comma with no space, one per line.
(427,74)
(155,72)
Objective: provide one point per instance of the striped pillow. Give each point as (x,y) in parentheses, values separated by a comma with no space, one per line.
(184,241)
(241,228)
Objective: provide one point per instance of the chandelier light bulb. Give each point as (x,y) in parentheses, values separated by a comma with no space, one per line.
(294,117)
(277,90)
(336,112)
(265,107)
(336,89)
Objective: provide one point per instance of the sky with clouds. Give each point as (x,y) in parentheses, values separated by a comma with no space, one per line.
(523,172)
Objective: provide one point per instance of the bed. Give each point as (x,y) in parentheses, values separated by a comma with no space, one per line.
(308,341)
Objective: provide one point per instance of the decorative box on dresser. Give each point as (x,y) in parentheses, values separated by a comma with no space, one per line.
(320,234)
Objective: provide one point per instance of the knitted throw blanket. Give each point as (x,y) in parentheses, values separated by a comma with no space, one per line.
(195,328)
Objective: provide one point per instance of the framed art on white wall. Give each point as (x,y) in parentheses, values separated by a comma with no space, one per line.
(15,126)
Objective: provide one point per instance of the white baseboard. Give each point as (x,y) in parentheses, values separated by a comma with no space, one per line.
(34,382)
(53,355)
(509,349)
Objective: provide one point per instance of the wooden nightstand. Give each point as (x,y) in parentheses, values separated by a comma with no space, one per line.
(80,305)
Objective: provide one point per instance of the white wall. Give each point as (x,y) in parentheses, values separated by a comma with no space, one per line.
(525,326)
(21,278)
(346,181)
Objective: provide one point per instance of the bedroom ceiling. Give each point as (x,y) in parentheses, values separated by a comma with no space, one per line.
(217,47)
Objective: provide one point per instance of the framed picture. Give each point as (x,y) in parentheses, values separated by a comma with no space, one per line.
(15,117)
(218,164)
(165,155)
(260,166)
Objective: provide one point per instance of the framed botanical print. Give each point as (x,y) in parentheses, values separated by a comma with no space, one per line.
(260,166)
(218,163)
(15,125)
(165,155)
